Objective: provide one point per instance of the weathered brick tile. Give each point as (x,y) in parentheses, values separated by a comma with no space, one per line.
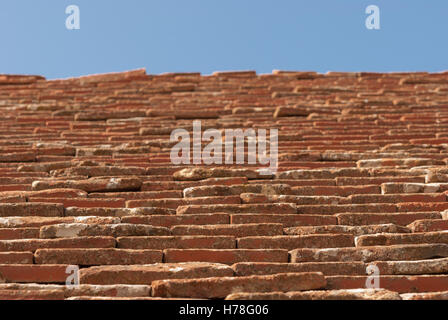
(322,173)
(98,256)
(327,268)
(117,212)
(279,208)
(56,193)
(32,294)
(36,222)
(441,295)
(125,291)
(407,162)
(98,171)
(89,230)
(170,221)
(428,225)
(299,182)
(83,202)
(18,157)
(221,287)
(84,289)
(266,189)
(31,209)
(348,294)
(444,214)
(422,206)
(375,253)
(177,242)
(175,203)
(29,273)
(400,284)
(161,178)
(105,115)
(196,114)
(432,266)
(340,229)
(19,233)
(401,219)
(180,185)
(341,191)
(262,229)
(12,199)
(44,167)
(137,195)
(6,179)
(250,198)
(291,111)
(56,149)
(299,200)
(14,187)
(358,208)
(386,239)
(34,244)
(396,198)
(435,176)
(402,172)
(16,258)
(288,220)
(396,187)
(145,274)
(91,185)
(24,176)
(293,242)
(348,181)
(84,298)
(194,174)
(102,151)
(226,256)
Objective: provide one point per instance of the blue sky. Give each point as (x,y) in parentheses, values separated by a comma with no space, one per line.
(210,35)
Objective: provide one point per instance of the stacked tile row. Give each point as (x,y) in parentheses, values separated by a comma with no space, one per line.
(86,181)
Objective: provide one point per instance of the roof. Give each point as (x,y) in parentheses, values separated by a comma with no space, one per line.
(355,208)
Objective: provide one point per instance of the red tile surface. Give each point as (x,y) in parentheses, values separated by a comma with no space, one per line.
(86,180)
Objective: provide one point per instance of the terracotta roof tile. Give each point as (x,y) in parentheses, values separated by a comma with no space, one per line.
(86,179)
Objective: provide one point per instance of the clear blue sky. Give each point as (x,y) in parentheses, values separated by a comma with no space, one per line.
(210,35)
